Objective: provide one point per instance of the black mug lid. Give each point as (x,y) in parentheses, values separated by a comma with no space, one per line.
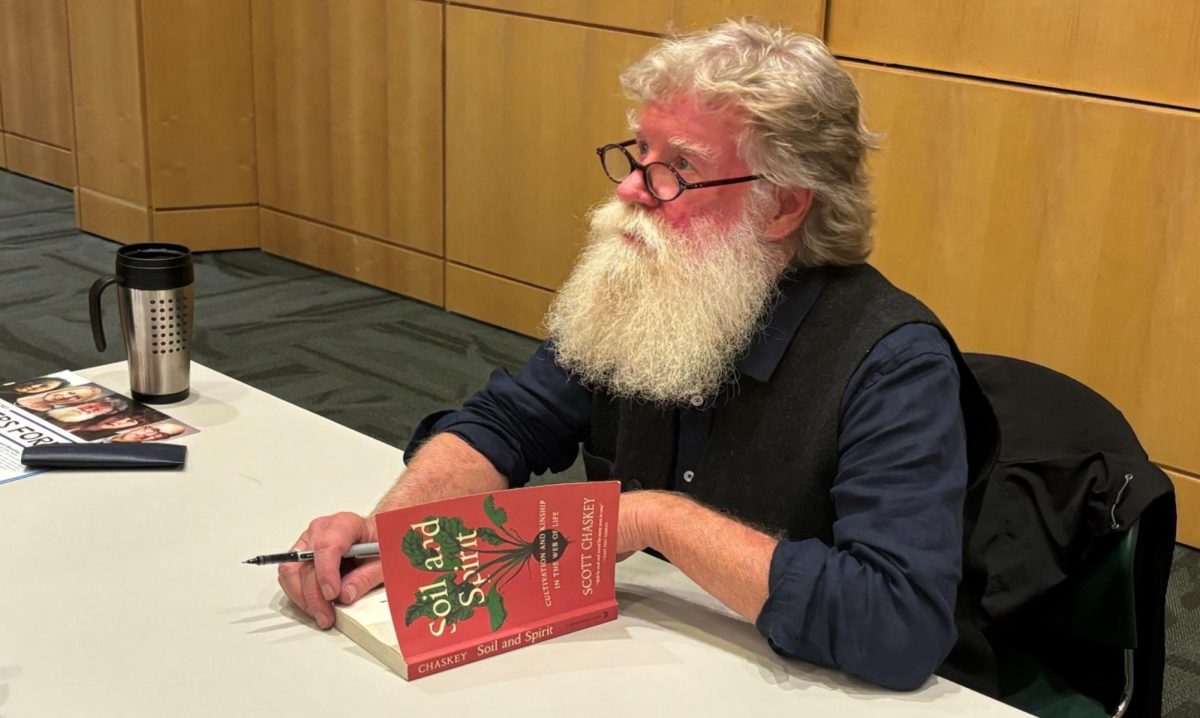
(153,265)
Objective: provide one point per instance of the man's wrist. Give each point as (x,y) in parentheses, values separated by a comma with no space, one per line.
(652,515)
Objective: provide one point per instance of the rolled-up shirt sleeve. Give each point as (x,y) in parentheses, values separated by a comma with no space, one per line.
(879,603)
(524,424)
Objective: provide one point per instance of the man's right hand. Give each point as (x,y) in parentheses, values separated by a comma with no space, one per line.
(445,467)
(314,585)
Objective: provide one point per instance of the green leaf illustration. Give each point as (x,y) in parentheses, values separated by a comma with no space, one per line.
(449,529)
(490,536)
(459,612)
(498,516)
(451,591)
(423,605)
(416,552)
(495,607)
(417,610)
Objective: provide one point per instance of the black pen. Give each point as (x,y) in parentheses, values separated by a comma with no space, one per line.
(358,550)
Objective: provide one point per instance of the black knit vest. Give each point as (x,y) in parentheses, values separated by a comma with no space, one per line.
(772,454)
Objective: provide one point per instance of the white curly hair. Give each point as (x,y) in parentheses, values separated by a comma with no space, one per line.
(803,122)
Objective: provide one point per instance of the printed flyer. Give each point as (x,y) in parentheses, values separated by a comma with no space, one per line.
(67,408)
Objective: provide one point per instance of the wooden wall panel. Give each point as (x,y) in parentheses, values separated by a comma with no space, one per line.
(40,161)
(497,300)
(199,102)
(291,68)
(208,229)
(112,217)
(110,128)
(349,115)
(530,102)
(1052,227)
(1187,504)
(35,71)
(1126,48)
(368,260)
(663,16)
(416,81)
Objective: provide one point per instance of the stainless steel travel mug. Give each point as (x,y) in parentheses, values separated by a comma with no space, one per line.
(155,298)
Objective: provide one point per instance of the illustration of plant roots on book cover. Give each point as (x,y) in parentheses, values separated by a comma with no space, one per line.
(479,575)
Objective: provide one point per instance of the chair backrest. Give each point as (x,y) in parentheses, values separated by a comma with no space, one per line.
(1097,603)
(1077,558)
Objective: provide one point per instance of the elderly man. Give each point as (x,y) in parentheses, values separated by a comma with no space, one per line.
(88,411)
(788,426)
(150,432)
(109,425)
(60,397)
(31,386)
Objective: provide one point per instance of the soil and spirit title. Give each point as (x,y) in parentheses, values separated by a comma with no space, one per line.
(476,564)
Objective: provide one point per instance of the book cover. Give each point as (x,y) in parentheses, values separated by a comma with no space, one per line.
(476,576)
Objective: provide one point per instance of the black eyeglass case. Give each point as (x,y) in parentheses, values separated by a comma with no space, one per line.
(104,456)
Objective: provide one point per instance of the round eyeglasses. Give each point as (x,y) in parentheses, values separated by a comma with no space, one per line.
(661,179)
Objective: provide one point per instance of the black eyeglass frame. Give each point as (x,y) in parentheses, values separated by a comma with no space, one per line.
(684,185)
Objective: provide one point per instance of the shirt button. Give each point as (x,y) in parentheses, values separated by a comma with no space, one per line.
(689,475)
(697,400)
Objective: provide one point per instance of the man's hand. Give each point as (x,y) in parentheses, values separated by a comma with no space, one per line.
(445,467)
(314,585)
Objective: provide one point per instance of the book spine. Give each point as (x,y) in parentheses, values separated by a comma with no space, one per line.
(505,641)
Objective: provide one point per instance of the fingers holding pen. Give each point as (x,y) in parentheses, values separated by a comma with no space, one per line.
(314,585)
(289,576)
(316,604)
(366,576)
(328,545)
(337,534)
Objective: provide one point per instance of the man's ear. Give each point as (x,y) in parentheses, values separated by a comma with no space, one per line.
(794,205)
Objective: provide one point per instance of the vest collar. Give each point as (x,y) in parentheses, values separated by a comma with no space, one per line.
(798,292)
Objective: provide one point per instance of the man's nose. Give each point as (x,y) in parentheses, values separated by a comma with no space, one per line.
(632,190)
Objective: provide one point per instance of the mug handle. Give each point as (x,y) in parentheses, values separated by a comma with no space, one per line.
(94,308)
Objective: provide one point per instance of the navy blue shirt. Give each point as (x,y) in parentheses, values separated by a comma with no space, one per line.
(879,602)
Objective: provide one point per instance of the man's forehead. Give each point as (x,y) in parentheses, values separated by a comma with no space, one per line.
(689,126)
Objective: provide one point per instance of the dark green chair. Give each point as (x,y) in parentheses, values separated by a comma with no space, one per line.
(1094,610)
(1070,550)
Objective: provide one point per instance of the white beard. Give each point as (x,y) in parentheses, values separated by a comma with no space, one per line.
(70,415)
(663,318)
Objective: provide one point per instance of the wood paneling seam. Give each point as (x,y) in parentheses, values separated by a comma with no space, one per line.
(1016,84)
(346,230)
(147,171)
(1182,472)
(37,141)
(445,41)
(490,273)
(559,20)
(185,208)
(254,124)
(71,86)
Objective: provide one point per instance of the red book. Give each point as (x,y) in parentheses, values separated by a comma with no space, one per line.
(476,576)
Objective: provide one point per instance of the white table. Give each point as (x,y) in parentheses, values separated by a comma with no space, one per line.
(124,595)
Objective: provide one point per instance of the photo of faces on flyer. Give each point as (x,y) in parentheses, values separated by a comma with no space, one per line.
(89,411)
